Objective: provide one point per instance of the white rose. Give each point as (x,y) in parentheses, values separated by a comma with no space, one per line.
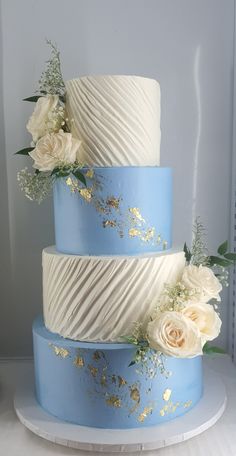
(55,149)
(37,124)
(206,319)
(204,281)
(175,335)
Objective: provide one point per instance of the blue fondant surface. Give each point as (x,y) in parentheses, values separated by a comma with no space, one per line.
(100,228)
(92,384)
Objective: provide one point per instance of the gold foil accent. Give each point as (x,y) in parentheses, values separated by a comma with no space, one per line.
(96,356)
(170,408)
(113,202)
(78,361)
(135,396)
(165,244)
(148,235)
(187,404)
(136,212)
(86,193)
(111,223)
(134,232)
(134,393)
(121,381)
(61,352)
(90,173)
(103,380)
(69,181)
(144,414)
(158,239)
(166,395)
(113,401)
(93,370)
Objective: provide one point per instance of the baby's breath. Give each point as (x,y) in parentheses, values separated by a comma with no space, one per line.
(35,186)
(51,80)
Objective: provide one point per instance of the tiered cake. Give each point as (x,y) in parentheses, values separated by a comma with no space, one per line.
(112,259)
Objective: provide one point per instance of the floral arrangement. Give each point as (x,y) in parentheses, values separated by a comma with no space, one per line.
(54,151)
(185,318)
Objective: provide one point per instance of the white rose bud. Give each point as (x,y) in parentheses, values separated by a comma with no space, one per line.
(206,319)
(204,281)
(55,149)
(174,335)
(37,124)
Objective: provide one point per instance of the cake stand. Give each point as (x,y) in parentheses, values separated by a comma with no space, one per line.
(199,419)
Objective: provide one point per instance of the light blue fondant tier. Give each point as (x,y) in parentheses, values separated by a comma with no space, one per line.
(129,212)
(92,384)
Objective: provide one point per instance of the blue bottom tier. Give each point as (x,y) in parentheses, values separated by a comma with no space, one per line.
(93,384)
(123,211)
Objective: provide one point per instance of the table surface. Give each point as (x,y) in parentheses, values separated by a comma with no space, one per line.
(16,440)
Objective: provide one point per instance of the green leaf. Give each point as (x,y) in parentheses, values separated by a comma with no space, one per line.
(55,171)
(24,151)
(219,261)
(187,252)
(132,363)
(34,99)
(80,176)
(222,249)
(60,172)
(209,349)
(62,98)
(230,256)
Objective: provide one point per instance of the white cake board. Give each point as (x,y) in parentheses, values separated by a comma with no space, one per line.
(201,417)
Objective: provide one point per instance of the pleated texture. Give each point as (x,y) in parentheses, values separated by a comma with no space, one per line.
(117,118)
(98,299)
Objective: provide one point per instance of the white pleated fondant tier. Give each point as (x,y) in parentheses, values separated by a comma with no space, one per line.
(117,118)
(100,298)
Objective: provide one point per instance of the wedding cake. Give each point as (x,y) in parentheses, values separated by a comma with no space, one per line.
(98,282)
(126,317)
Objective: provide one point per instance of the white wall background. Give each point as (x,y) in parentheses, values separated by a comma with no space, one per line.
(188,46)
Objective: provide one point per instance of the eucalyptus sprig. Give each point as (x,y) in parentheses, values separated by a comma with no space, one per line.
(198,253)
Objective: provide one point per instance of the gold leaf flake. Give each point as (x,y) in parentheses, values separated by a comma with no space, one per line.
(144,414)
(86,193)
(158,239)
(146,237)
(136,212)
(113,202)
(162,412)
(134,393)
(121,381)
(96,355)
(113,401)
(165,244)
(135,396)
(93,370)
(90,173)
(78,361)
(133,232)
(166,395)
(69,181)
(111,223)
(187,404)
(61,352)
(103,380)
